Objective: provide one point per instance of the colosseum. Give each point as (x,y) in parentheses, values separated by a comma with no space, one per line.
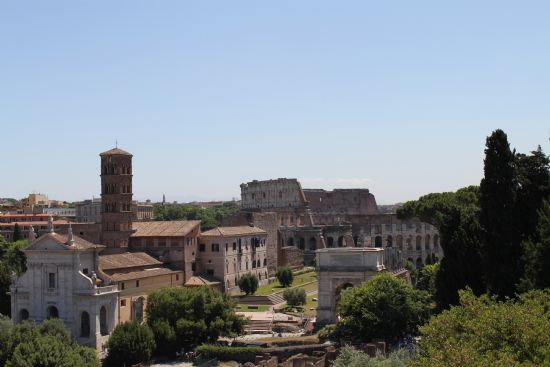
(312,219)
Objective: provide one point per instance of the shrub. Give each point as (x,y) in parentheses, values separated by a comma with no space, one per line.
(238,354)
(194,315)
(130,343)
(284,276)
(329,332)
(295,296)
(248,283)
(382,308)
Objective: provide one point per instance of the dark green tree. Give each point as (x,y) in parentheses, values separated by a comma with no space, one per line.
(456,215)
(295,296)
(248,283)
(16,233)
(12,261)
(130,343)
(383,308)
(537,253)
(498,199)
(284,276)
(195,315)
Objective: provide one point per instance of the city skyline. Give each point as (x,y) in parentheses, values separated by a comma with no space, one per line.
(397,99)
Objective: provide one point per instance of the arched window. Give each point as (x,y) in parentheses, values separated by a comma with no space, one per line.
(23,314)
(85,325)
(265,262)
(418,243)
(302,243)
(427,242)
(330,241)
(341,241)
(312,244)
(103,328)
(378,241)
(389,241)
(53,313)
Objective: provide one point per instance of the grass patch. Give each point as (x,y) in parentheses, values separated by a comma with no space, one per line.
(297,311)
(256,308)
(299,280)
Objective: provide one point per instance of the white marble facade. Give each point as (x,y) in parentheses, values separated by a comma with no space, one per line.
(62,281)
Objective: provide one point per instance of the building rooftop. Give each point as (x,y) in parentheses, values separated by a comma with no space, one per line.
(79,243)
(115,151)
(127,260)
(200,280)
(233,231)
(176,228)
(120,277)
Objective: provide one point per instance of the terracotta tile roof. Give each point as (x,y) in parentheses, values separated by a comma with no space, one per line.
(233,231)
(79,243)
(115,151)
(119,277)
(127,260)
(24,215)
(36,223)
(176,228)
(198,280)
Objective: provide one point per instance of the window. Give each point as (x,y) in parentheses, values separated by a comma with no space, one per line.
(122,286)
(137,283)
(226,247)
(122,303)
(51,280)
(234,246)
(201,247)
(85,271)
(215,247)
(210,271)
(103,328)
(177,277)
(85,325)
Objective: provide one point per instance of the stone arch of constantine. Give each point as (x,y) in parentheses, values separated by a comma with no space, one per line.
(340,268)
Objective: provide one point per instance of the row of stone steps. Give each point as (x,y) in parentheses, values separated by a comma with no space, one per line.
(258,326)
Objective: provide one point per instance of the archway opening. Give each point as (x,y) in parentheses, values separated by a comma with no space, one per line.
(85,325)
(330,242)
(418,243)
(23,314)
(338,293)
(378,241)
(103,329)
(290,241)
(302,243)
(341,241)
(389,241)
(312,244)
(53,313)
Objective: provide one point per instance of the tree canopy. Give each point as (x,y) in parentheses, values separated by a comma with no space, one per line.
(485,332)
(130,343)
(12,260)
(295,296)
(209,217)
(382,308)
(248,283)
(191,316)
(284,276)
(47,345)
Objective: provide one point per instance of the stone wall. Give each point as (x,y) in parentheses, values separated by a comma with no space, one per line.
(270,194)
(341,201)
(292,257)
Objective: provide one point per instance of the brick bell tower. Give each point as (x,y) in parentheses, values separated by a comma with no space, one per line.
(116,199)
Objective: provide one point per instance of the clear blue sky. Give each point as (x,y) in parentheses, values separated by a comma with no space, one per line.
(396,96)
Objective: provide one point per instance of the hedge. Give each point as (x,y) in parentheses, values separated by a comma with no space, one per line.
(237,354)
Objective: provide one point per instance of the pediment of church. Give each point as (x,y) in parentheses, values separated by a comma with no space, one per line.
(48,242)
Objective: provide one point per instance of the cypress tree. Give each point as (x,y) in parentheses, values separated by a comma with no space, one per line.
(498,202)
(16,233)
(537,253)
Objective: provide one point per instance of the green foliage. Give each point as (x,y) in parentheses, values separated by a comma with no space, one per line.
(351,357)
(485,332)
(537,253)
(165,337)
(382,308)
(295,296)
(130,343)
(456,215)
(426,278)
(413,271)
(195,315)
(12,260)
(16,233)
(498,200)
(209,217)
(238,354)
(329,332)
(284,276)
(49,344)
(248,283)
